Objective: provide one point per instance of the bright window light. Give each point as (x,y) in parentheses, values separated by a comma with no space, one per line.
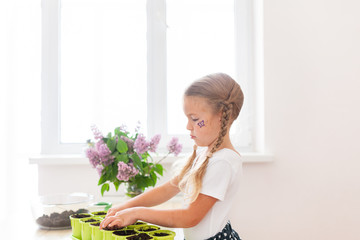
(200,41)
(103,66)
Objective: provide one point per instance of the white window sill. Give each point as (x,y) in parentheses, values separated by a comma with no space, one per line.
(82,160)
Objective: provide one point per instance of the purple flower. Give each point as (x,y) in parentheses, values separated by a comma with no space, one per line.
(97,134)
(103,153)
(126,171)
(93,156)
(154,143)
(124,129)
(174,146)
(138,126)
(103,149)
(99,169)
(140,144)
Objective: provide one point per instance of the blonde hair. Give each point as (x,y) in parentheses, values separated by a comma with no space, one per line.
(224,95)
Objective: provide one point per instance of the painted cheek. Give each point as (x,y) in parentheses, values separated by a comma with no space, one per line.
(201,123)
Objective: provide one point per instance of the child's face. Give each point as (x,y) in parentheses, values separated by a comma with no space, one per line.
(204,126)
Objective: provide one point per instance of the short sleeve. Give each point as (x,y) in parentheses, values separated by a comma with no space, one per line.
(217,179)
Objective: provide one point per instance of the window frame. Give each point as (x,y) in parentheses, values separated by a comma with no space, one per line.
(248,57)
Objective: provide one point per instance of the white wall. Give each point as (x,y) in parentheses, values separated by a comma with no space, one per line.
(312,125)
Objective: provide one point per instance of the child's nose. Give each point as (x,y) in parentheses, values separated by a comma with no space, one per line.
(189,126)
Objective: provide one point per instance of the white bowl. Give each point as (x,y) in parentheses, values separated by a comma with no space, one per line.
(53,211)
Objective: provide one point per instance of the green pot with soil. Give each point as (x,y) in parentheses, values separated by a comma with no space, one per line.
(163,234)
(147,228)
(140,236)
(85,227)
(107,232)
(123,234)
(137,224)
(101,214)
(96,234)
(75,223)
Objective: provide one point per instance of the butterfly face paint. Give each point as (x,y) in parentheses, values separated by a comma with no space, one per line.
(201,124)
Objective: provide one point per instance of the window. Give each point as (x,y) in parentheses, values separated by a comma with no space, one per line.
(114,62)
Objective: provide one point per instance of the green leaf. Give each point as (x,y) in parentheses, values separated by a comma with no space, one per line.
(137,161)
(105,187)
(102,204)
(108,207)
(111,143)
(117,131)
(149,181)
(114,172)
(153,177)
(102,179)
(159,169)
(122,158)
(141,182)
(121,146)
(117,184)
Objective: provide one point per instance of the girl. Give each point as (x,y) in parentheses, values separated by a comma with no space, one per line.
(209,179)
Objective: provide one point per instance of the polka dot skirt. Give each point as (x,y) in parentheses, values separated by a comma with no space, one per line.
(227,234)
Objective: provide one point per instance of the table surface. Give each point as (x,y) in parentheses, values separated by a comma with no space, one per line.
(26,226)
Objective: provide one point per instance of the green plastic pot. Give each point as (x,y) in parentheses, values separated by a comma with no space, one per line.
(171,235)
(96,234)
(107,234)
(131,232)
(137,224)
(147,228)
(85,227)
(98,214)
(75,223)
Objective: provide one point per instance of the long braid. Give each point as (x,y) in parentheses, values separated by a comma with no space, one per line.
(188,165)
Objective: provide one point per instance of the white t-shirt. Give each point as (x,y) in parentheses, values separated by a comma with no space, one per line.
(221,181)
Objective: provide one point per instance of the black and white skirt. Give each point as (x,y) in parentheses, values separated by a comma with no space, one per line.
(227,234)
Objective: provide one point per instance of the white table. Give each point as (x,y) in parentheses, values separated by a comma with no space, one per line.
(21,224)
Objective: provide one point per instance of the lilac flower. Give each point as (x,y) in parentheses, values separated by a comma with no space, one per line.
(93,156)
(129,142)
(107,160)
(140,144)
(103,149)
(104,153)
(154,143)
(138,126)
(97,134)
(174,146)
(124,129)
(99,169)
(126,171)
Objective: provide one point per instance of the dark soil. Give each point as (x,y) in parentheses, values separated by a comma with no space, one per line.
(113,228)
(139,223)
(100,213)
(95,224)
(91,220)
(147,229)
(57,220)
(140,236)
(161,234)
(124,232)
(81,215)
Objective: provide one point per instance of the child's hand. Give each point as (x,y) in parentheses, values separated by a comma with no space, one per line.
(112,211)
(120,219)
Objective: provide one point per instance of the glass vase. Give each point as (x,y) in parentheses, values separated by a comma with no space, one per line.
(132,190)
